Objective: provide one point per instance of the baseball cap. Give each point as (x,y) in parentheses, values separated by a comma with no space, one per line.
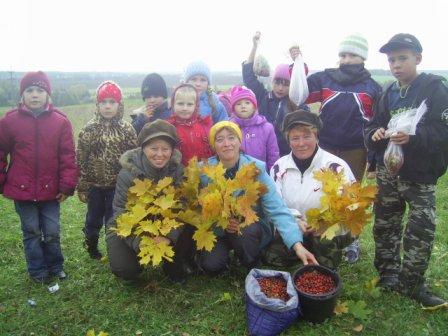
(402,41)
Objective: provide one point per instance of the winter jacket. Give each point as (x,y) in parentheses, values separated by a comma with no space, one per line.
(162,112)
(101,142)
(273,108)
(302,192)
(259,140)
(218,113)
(271,207)
(42,155)
(426,154)
(135,165)
(347,94)
(193,135)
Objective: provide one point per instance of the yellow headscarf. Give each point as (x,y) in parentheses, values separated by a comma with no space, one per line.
(219,126)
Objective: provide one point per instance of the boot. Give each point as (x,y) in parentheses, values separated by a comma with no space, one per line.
(91,245)
(424,296)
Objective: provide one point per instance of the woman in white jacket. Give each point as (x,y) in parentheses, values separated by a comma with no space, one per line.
(294,179)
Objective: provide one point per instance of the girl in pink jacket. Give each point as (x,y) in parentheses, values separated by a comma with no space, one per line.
(40,174)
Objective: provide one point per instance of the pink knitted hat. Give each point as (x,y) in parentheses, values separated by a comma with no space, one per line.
(241,92)
(282,72)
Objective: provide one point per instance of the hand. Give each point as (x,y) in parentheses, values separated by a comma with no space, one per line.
(294,53)
(303,254)
(256,38)
(83,197)
(160,239)
(149,111)
(234,226)
(61,197)
(400,138)
(379,134)
(304,227)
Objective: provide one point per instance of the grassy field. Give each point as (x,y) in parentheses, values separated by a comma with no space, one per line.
(93,298)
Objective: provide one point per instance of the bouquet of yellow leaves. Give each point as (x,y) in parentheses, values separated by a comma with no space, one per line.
(343,207)
(220,200)
(151,211)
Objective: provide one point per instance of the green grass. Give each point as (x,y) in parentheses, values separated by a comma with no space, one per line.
(93,298)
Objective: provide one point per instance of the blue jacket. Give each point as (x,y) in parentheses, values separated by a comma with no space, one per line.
(273,108)
(345,108)
(271,207)
(205,109)
(162,112)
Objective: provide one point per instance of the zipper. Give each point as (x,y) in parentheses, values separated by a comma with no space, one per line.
(36,160)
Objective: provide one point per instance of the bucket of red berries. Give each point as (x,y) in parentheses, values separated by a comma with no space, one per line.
(318,288)
(272,303)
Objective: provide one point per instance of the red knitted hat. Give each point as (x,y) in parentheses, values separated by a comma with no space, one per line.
(108,89)
(37,78)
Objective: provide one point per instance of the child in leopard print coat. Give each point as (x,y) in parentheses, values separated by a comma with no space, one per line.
(101,142)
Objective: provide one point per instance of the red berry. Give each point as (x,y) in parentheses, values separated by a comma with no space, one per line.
(274,288)
(314,282)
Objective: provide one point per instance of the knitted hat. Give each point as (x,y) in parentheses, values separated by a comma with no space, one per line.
(37,78)
(301,117)
(154,85)
(108,89)
(241,92)
(219,126)
(198,68)
(282,72)
(354,44)
(158,129)
(402,41)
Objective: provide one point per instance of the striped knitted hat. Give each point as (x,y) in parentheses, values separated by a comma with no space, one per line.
(354,44)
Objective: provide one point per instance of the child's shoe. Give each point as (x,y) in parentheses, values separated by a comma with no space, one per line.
(427,299)
(45,279)
(91,245)
(352,252)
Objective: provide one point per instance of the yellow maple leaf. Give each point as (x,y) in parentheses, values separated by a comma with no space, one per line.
(91,332)
(215,173)
(102,333)
(165,202)
(140,187)
(167,225)
(152,252)
(211,204)
(125,223)
(331,180)
(138,212)
(204,238)
(162,184)
(331,232)
(149,227)
(341,308)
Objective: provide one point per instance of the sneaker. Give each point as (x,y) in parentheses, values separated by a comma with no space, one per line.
(388,283)
(45,279)
(426,298)
(352,252)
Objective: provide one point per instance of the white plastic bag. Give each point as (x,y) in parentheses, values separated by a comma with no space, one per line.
(405,122)
(298,89)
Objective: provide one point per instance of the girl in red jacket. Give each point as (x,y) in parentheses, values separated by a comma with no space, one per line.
(192,129)
(41,173)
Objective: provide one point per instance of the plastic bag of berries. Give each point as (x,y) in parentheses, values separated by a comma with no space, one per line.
(272,303)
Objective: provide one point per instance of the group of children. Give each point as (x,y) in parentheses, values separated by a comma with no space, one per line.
(43,168)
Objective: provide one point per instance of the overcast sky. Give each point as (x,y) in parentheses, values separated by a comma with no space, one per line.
(164,35)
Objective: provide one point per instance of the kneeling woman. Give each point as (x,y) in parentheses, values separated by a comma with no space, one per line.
(294,179)
(225,140)
(155,159)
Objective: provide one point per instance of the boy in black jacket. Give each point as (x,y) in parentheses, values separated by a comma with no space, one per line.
(425,160)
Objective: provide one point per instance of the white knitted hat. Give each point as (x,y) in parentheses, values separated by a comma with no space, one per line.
(354,44)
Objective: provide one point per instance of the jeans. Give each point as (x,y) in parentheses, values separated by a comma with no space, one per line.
(41,236)
(99,211)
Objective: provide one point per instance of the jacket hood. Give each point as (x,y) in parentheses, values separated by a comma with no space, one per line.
(137,164)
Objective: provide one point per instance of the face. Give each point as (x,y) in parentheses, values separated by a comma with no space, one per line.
(35,98)
(349,58)
(303,142)
(280,87)
(199,82)
(158,152)
(244,109)
(227,145)
(184,104)
(153,102)
(294,52)
(108,108)
(403,65)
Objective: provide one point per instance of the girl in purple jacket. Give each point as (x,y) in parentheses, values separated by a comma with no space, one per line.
(259,139)
(40,174)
